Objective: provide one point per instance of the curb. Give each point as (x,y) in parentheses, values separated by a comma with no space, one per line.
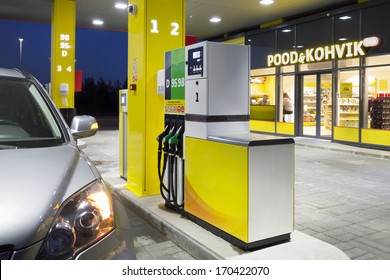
(182,239)
(352,150)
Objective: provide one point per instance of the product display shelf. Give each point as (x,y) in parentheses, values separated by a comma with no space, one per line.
(309,117)
(380,113)
(348,112)
(328,116)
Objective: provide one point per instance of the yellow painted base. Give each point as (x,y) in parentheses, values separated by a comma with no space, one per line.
(348,134)
(262,126)
(285,128)
(376,137)
(209,177)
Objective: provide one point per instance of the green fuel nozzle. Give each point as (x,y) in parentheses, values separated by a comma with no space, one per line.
(174,141)
(166,139)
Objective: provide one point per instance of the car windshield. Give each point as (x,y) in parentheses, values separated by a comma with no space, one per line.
(26,120)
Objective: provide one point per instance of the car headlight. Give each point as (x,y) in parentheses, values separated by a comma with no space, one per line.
(81,220)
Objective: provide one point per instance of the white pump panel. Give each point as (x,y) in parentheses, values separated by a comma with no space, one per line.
(217,88)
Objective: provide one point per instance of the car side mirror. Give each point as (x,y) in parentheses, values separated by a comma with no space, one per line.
(83,126)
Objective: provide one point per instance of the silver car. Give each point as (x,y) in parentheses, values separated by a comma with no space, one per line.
(53,202)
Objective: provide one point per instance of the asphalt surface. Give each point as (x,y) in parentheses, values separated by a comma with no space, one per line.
(342,197)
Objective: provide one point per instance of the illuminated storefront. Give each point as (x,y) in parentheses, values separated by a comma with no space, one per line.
(333,67)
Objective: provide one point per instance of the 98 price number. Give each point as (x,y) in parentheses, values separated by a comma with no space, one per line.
(175,83)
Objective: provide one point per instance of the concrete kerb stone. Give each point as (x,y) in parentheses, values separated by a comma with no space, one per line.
(182,239)
(350,150)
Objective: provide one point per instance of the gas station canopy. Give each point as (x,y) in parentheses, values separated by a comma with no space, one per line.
(235,15)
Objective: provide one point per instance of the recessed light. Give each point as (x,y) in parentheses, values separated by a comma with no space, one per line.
(97,22)
(266,2)
(345,17)
(121,6)
(215,19)
(286,30)
(343,39)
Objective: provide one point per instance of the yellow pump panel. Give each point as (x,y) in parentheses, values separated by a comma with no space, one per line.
(227,211)
(156,27)
(63,52)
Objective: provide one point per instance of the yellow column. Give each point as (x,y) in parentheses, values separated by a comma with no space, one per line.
(155,26)
(63,53)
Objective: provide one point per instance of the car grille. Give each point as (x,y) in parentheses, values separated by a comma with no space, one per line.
(6,252)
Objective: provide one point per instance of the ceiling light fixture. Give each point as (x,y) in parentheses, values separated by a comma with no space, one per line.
(121,6)
(343,39)
(345,17)
(266,2)
(286,30)
(97,22)
(215,19)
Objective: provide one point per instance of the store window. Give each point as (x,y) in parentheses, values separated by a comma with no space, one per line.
(286,39)
(287,69)
(378,60)
(316,66)
(378,95)
(347,111)
(346,27)
(314,33)
(345,63)
(262,94)
(376,22)
(262,44)
(286,99)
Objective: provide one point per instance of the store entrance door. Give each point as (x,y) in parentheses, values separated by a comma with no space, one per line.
(316,111)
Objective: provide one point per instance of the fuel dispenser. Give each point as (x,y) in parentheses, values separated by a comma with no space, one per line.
(123,133)
(171,141)
(232,180)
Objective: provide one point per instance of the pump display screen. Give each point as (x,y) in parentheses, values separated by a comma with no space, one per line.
(196,54)
(123,99)
(195,61)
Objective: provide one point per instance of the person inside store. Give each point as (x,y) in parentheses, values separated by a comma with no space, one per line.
(264,100)
(287,106)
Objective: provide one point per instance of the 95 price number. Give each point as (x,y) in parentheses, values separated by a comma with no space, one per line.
(175,83)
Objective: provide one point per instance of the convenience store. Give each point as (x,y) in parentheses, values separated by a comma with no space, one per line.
(335,68)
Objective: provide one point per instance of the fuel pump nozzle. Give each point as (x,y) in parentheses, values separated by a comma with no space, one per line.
(174,141)
(161,136)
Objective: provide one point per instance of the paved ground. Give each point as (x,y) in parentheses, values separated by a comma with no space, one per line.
(150,243)
(342,197)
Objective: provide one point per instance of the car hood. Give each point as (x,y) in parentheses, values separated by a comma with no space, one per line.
(33,183)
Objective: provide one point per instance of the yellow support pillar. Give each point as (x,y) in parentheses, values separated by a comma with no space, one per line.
(154,27)
(63,54)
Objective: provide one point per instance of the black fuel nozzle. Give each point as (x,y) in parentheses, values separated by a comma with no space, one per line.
(161,136)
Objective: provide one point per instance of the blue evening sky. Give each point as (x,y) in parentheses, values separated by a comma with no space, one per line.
(99,53)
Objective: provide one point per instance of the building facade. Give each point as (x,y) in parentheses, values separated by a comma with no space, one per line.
(334,69)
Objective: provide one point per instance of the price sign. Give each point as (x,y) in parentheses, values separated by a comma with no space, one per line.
(63,52)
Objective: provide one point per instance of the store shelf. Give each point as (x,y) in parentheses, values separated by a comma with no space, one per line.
(348,112)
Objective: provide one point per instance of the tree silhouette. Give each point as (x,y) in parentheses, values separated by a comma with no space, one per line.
(99,98)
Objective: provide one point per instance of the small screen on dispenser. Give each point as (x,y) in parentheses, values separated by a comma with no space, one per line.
(196,55)
(123,99)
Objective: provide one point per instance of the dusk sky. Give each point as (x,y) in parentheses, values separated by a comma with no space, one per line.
(99,53)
